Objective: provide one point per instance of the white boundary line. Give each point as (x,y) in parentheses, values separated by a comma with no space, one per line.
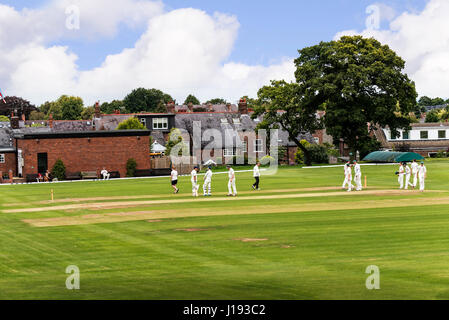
(340,166)
(119,179)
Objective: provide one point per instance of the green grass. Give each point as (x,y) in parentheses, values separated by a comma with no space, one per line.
(307,255)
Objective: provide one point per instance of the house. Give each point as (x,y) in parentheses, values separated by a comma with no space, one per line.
(427,139)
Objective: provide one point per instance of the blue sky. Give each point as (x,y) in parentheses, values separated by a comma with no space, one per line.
(269,30)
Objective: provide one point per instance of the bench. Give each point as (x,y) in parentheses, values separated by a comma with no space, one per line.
(161,172)
(114,175)
(89,175)
(31,178)
(73,176)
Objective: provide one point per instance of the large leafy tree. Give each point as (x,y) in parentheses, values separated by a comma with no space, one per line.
(71,107)
(216,101)
(192,99)
(146,100)
(111,107)
(281,106)
(356,81)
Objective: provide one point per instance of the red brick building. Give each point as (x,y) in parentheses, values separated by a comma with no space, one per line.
(80,151)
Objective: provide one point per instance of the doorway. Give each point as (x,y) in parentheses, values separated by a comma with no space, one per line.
(42,163)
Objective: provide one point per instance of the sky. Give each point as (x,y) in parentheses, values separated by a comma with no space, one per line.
(208,48)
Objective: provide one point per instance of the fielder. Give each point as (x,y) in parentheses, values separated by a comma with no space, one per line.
(232,190)
(358,176)
(345,181)
(106,175)
(207,182)
(348,174)
(174,179)
(401,174)
(408,174)
(422,174)
(194,180)
(415,168)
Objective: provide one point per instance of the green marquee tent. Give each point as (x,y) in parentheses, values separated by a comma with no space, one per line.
(389,156)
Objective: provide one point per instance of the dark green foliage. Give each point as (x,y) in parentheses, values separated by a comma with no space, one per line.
(217,101)
(58,170)
(112,107)
(131,166)
(432,116)
(18,104)
(147,100)
(356,81)
(192,99)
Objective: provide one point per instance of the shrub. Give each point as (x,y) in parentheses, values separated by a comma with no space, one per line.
(318,153)
(266,160)
(4,118)
(131,124)
(131,166)
(58,170)
(299,156)
(441,154)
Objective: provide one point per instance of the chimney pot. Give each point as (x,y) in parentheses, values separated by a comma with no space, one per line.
(97,109)
(243,106)
(170,107)
(229,107)
(50,120)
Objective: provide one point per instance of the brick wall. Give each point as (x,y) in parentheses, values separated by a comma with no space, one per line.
(10,163)
(87,154)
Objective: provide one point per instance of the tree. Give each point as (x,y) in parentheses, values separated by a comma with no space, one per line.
(131,124)
(56,111)
(111,107)
(18,105)
(251,103)
(356,81)
(131,166)
(432,116)
(58,170)
(148,100)
(192,99)
(216,101)
(425,101)
(37,115)
(175,140)
(71,107)
(295,118)
(88,113)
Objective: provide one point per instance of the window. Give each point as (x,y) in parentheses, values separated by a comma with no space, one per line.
(160,123)
(224,120)
(424,134)
(2,158)
(317,140)
(392,136)
(143,121)
(228,152)
(236,121)
(258,145)
(244,146)
(406,135)
(442,134)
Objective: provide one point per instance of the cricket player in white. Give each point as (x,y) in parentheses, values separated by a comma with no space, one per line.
(194,180)
(401,174)
(174,179)
(232,190)
(207,182)
(256,175)
(106,175)
(348,174)
(408,174)
(358,176)
(345,182)
(422,174)
(415,167)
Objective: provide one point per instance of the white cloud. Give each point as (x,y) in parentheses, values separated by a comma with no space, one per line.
(422,40)
(183,51)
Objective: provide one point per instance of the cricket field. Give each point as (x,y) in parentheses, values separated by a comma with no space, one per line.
(299,237)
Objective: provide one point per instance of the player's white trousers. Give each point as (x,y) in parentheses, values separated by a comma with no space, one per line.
(232,187)
(195,188)
(207,186)
(421,183)
(358,181)
(401,181)
(349,182)
(415,180)
(407,181)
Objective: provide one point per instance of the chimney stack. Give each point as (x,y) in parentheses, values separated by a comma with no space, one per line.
(23,117)
(243,106)
(190,107)
(170,107)
(50,120)
(97,110)
(210,107)
(15,122)
(229,107)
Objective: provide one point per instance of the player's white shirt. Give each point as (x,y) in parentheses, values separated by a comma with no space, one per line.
(174,175)
(415,167)
(358,169)
(208,175)
(104,172)
(401,170)
(256,171)
(348,171)
(407,170)
(231,174)
(193,176)
(422,170)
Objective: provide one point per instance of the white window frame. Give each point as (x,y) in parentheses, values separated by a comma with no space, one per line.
(160,123)
(228,152)
(445,134)
(244,146)
(258,142)
(2,158)
(143,121)
(420,135)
